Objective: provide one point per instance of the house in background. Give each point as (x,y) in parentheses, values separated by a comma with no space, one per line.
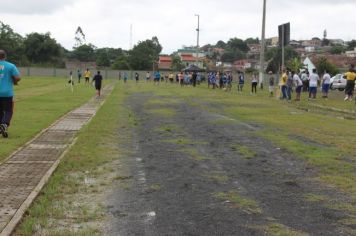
(164,62)
(351,53)
(308,64)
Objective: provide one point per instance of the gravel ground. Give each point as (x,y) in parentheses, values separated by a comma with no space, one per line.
(201,173)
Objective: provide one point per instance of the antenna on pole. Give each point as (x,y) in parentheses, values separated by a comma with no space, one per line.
(130,36)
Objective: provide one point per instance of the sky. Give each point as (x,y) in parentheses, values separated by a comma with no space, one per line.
(107,23)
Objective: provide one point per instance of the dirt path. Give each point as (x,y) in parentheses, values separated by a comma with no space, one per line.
(194,172)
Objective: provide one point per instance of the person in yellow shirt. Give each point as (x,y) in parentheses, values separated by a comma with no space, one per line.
(87,75)
(350,83)
(171,77)
(282,84)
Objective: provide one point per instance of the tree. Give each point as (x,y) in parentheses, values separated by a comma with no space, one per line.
(144,54)
(274,56)
(85,52)
(235,43)
(295,64)
(323,65)
(12,43)
(337,49)
(220,44)
(352,45)
(252,41)
(41,48)
(177,64)
(121,63)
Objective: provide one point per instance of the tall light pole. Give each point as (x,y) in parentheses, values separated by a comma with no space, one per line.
(198,29)
(263,43)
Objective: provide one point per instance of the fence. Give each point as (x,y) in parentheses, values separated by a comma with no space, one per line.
(64,73)
(107,74)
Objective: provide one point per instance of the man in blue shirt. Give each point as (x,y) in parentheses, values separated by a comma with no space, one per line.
(9,76)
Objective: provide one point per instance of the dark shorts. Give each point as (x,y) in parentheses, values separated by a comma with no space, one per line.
(349,89)
(87,79)
(325,88)
(98,86)
(312,89)
(299,89)
(157,79)
(6,110)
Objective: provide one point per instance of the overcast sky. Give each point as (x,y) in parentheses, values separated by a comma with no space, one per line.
(106,23)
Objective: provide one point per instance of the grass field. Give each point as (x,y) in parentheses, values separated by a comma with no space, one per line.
(40,102)
(323,138)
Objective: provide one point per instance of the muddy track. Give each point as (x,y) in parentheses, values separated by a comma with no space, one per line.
(201,173)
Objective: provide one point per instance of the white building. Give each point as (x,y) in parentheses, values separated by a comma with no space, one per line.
(351,53)
(308,64)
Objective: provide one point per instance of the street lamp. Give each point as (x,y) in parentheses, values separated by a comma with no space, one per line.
(198,29)
(262,54)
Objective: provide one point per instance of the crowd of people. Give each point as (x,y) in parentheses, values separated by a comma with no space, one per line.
(289,82)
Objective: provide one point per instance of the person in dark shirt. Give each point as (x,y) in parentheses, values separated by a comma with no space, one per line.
(98,78)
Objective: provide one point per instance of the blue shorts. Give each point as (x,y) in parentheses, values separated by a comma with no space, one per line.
(312,89)
(325,88)
(299,89)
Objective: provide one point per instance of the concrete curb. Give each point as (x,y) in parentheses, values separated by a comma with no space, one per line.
(11,225)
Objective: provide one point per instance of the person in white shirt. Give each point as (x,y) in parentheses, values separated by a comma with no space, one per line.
(313,84)
(326,84)
(298,84)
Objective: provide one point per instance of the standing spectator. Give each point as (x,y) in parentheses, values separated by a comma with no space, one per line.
(298,84)
(289,85)
(9,76)
(97,80)
(254,82)
(137,77)
(126,76)
(282,84)
(350,83)
(271,83)
(181,78)
(194,78)
(157,77)
(326,84)
(241,82)
(87,75)
(304,77)
(171,77)
(148,76)
(313,84)
(79,74)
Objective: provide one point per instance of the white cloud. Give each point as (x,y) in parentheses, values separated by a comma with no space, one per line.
(107,22)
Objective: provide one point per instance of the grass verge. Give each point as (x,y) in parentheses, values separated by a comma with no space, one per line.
(70,202)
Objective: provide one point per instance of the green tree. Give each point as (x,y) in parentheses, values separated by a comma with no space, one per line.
(121,63)
(41,48)
(144,54)
(177,64)
(352,45)
(323,65)
(237,44)
(12,43)
(85,52)
(337,49)
(220,44)
(274,56)
(295,64)
(252,41)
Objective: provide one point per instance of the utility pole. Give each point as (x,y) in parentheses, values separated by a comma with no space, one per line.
(263,44)
(198,29)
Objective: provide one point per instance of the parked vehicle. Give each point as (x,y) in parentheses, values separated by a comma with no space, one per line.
(338,82)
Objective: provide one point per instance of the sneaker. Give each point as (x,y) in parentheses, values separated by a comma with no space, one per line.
(345,99)
(3,130)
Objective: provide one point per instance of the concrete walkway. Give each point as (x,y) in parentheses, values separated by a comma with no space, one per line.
(26,171)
